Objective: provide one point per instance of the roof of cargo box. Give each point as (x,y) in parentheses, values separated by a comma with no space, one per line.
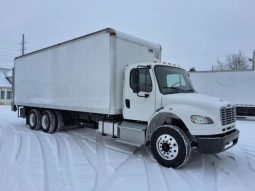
(111,31)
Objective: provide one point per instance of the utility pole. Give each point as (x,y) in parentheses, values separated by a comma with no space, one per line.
(252,60)
(253,64)
(23,45)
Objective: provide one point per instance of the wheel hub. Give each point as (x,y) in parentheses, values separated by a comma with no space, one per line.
(167,147)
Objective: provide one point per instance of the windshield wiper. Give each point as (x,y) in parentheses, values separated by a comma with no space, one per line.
(190,90)
(180,90)
(175,88)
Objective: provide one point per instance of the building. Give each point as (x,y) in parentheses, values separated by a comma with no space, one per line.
(5,86)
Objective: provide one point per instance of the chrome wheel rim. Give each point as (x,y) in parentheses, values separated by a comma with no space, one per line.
(167,147)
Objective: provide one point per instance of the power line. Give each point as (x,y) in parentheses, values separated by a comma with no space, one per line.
(7,56)
(8,46)
(9,37)
(8,41)
(6,59)
(8,49)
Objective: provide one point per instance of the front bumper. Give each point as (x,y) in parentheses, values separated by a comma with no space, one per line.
(217,143)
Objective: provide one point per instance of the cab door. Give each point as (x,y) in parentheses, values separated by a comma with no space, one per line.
(138,93)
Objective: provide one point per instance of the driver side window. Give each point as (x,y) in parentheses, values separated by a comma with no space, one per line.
(144,83)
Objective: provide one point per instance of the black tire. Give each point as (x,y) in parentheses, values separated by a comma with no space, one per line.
(34,119)
(59,121)
(48,121)
(170,146)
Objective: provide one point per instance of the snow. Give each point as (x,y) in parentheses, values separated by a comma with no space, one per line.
(80,159)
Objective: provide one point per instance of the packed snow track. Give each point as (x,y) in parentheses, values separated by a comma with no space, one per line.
(80,159)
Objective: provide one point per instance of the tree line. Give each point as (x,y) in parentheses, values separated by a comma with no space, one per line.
(235,61)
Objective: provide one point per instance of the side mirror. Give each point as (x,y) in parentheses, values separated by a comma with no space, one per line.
(135,80)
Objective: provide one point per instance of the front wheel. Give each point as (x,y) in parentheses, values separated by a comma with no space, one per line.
(170,146)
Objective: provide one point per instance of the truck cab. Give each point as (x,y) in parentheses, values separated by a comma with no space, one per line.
(161,97)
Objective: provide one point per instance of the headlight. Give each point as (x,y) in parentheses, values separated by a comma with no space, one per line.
(201,119)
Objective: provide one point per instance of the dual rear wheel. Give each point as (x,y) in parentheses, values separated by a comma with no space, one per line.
(47,120)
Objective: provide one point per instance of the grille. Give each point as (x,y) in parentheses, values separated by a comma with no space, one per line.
(228,115)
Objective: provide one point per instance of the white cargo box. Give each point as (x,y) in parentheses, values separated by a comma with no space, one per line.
(235,86)
(84,74)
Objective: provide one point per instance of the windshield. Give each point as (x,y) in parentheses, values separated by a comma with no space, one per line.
(173,80)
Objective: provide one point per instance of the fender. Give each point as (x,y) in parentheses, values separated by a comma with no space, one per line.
(162,118)
(180,113)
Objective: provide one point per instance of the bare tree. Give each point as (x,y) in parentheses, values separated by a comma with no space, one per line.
(220,65)
(233,62)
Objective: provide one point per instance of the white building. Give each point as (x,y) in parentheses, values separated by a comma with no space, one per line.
(5,86)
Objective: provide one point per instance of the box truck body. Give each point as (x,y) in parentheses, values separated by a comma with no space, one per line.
(83,74)
(115,83)
(235,86)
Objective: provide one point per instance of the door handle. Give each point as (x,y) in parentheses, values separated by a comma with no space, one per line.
(127,101)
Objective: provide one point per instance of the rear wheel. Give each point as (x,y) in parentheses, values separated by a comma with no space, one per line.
(48,121)
(170,146)
(59,121)
(34,119)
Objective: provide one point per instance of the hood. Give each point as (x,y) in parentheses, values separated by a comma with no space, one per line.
(194,99)
(184,105)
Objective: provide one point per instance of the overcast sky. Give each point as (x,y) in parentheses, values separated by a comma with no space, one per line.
(193,33)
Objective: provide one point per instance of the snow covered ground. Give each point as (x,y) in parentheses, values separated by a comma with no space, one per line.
(80,159)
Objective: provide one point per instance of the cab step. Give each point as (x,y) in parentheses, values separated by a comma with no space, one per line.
(132,133)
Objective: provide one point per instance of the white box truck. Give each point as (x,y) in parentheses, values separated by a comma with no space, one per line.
(116,82)
(236,86)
